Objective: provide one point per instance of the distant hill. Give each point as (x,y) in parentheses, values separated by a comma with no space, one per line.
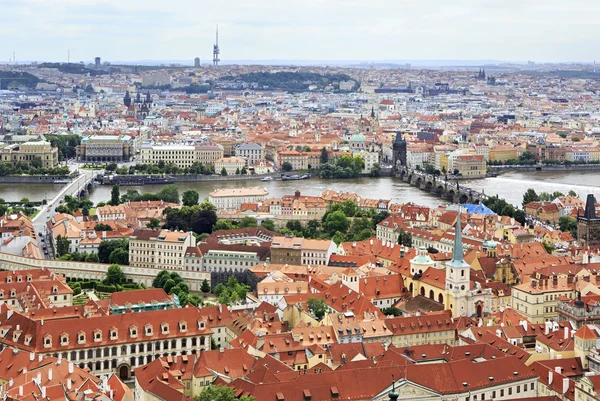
(72,68)
(289,80)
(12,79)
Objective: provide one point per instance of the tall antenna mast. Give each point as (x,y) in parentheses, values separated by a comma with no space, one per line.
(216,50)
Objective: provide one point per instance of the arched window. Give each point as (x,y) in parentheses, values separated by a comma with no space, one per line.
(422,291)
(441,298)
(431,294)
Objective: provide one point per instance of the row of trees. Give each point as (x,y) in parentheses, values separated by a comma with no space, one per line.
(114,251)
(346,166)
(162,168)
(66,144)
(33,167)
(231,292)
(169,193)
(503,208)
(531,196)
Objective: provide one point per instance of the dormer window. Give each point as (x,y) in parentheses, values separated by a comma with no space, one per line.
(2,294)
(201,325)
(133,331)
(29,277)
(19,279)
(9,279)
(81,337)
(47,341)
(64,339)
(164,328)
(97,335)
(54,289)
(183,326)
(16,335)
(114,334)
(13,293)
(28,338)
(148,329)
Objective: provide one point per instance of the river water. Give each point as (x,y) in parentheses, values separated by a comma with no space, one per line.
(510,186)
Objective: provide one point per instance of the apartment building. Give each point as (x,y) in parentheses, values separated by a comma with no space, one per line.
(538,299)
(232,165)
(30,151)
(232,198)
(160,249)
(286,250)
(182,155)
(316,252)
(251,152)
(108,343)
(34,289)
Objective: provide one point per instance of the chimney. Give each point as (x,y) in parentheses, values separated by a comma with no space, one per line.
(32,356)
(10,383)
(566,332)
(44,392)
(20,391)
(50,374)
(40,357)
(558,369)
(547,329)
(550,377)
(70,367)
(59,359)
(565,385)
(69,383)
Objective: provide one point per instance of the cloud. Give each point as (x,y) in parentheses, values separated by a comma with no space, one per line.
(293,29)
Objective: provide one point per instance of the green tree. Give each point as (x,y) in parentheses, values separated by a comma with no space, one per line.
(375,170)
(404,238)
(338,238)
(294,225)
(244,171)
(115,195)
(92,257)
(568,224)
(223,225)
(153,224)
(62,245)
(206,205)
(160,279)
(237,171)
(324,155)
(317,307)
(169,193)
(205,287)
(221,393)
(115,275)
(269,224)
(530,196)
(519,216)
(224,172)
(248,222)
(102,227)
(336,221)
(508,210)
(119,256)
(106,248)
(190,197)
(572,194)
(286,166)
(391,311)
(549,248)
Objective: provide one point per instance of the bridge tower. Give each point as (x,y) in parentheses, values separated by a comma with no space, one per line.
(399,154)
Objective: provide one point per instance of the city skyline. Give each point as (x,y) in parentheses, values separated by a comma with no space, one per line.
(353,31)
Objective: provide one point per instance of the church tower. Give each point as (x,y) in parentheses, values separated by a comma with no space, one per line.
(458,275)
(588,225)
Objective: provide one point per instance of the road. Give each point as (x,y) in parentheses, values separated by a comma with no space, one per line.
(47,210)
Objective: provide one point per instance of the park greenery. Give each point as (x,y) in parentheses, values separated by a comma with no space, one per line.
(73,68)
(161,168)
(317,307)
(168,193)
(172,283)
(66,144)
(346,166)
(232,291)
(503,208)
(531,196)
(33,167)
(114,281)
(290,81)
(73,204)
(24,206)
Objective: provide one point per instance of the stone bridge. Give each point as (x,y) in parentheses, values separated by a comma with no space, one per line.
(450,191)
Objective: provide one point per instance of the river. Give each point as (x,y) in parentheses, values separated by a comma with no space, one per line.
(509,186)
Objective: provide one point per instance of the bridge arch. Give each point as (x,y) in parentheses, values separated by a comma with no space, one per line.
(450,195)
(464,198)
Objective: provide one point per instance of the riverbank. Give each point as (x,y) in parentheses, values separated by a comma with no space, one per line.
(33,179)
(547,167)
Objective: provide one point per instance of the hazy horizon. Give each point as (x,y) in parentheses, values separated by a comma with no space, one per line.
(310,30)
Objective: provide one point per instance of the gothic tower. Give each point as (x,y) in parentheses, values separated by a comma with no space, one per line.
(588,225)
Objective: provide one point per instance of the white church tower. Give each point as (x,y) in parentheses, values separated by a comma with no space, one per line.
(458,276)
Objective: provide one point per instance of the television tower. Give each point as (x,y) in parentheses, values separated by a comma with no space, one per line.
(216,50)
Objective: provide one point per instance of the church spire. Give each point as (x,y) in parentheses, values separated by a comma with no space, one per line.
(458,260)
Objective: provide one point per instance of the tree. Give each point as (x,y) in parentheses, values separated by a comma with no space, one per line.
(549,248)
(153,224)
(294,225)
(508,210)
(160,279)
(115,275)
(269,224)
(530,196)
(91,257)
(572,194)
(286,166)
(391,311)
(205,287)
(119,256)
(62,245)
(244,171)
(317,307)
(221,393)
(375,170)
(237,171)
(336,221)
(204,222)
(106,248)
(224,172)
(115,195)
(248,222)
(102,227)
(190,197)
(223,225)
(169,193)
(519,216)
(324,155)
(404,238)
(568,224)
(338,238)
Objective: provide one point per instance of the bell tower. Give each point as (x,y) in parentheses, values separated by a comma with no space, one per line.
(458,275)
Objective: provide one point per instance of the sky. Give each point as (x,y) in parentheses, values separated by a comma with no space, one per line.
(368,30)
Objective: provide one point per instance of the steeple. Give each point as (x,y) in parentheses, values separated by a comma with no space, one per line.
(372,111)
(458,260)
